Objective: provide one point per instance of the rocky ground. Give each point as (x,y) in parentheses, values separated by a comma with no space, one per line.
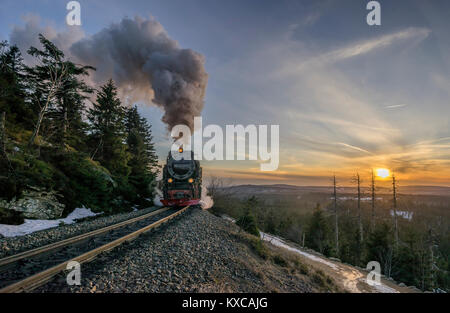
(198,252)
(13,245)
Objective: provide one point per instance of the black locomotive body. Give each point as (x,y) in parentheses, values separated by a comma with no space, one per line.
(182,181)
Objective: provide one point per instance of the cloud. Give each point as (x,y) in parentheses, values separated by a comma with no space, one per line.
(353,147)
(331,118)
(26,36)
(395,106)
(138,54)
(355,49)
(366,46)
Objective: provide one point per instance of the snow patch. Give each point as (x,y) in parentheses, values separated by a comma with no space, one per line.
(384,289)
(31,226)
(280,243)
(405,214)
(350,276)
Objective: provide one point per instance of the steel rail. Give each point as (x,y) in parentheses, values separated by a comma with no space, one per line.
(36,280)
(72,240)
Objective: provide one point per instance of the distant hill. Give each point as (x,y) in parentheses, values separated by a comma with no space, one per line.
(292,189)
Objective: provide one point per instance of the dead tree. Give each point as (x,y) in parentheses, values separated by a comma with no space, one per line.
(45,79)
(361,234)
(2,134)
(220,189)
(336,215)
(56,80)
(372,187)
(394,200)
(3,153)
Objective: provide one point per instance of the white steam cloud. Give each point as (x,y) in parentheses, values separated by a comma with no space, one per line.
(206,202)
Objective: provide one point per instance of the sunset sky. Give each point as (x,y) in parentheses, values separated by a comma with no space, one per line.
(348,97)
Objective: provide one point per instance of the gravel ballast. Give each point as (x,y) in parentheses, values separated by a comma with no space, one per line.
(13,245)
(197,252)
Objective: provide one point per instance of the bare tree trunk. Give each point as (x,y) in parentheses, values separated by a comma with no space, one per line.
(96,149)
(2,134)
(372,221)
(389,263)
(64,129)
(56,80)
(336,215)
(3,153)
(431,266)
(394,193)
(361,234)
(38,125)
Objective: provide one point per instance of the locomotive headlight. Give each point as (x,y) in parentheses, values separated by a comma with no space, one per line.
(170,180)
(191,180)
(180,150)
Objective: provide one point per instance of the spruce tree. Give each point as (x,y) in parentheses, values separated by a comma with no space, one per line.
(12,87)
(318,232)
(108,137)
(143,161)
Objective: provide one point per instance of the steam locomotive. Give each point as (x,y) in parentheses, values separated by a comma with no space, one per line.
(182,181)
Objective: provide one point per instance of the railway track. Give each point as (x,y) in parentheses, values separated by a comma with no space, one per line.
(28,270)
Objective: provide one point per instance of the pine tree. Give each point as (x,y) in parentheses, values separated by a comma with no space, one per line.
(380,248)
(247,221)
(143,161)
(15,115)
(107,123)
(12,87)
(318,232)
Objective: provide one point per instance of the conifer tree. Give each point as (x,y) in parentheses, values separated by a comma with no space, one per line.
(143,161)
(318,232)
(107,122)
(12,86)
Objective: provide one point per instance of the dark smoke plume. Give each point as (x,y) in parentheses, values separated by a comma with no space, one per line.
(147,65)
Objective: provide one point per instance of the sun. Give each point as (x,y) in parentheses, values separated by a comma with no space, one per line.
(382,172)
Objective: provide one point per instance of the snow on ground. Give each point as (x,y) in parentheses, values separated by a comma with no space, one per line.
(31,226)
(405,214)
(349,275)
(384,289)
(280,243)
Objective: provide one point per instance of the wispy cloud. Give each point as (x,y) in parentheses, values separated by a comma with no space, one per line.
(366,46)
(357,48)
(395,106)
(353,147)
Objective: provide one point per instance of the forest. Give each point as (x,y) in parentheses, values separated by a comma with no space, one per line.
(349,229)
(72,145)
(65,143)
